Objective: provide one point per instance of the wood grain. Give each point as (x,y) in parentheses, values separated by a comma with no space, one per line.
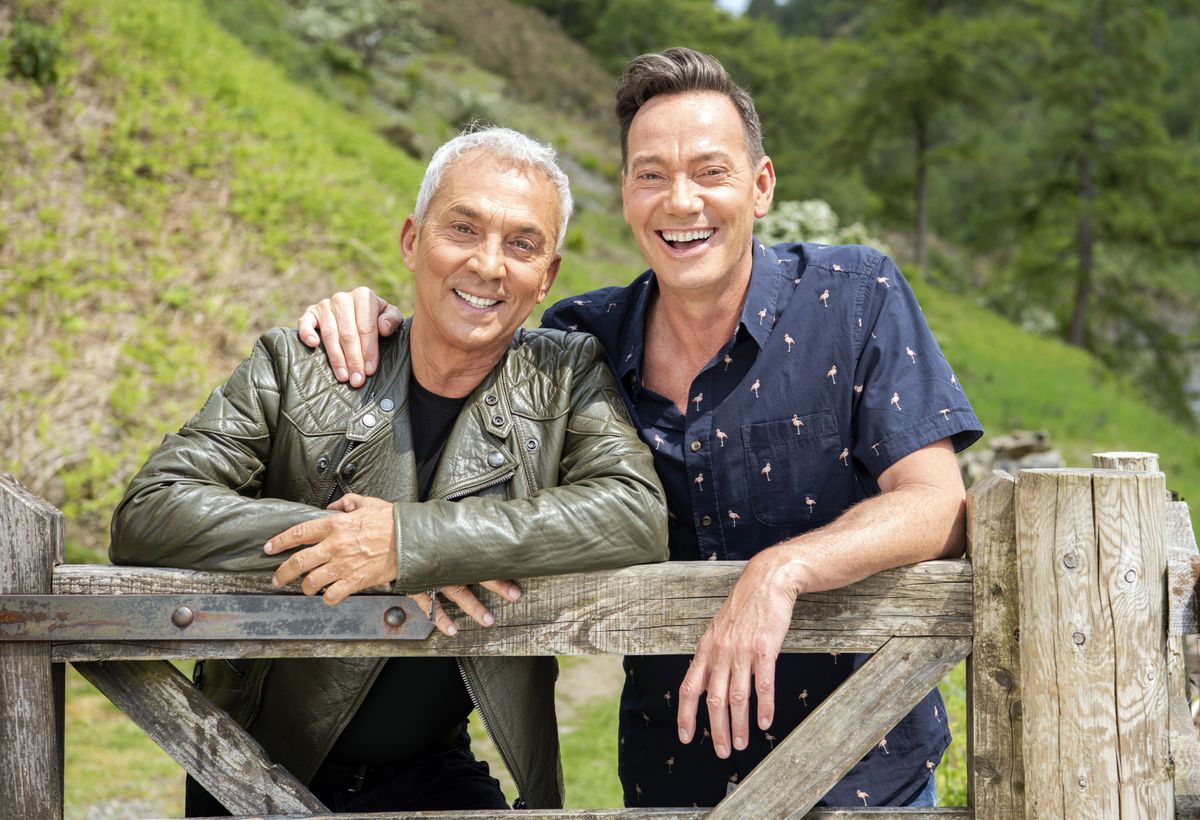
(1093,656)
(31,771)
(1127,461)
(654,609)
(1130,515)
(1069,738)
(839,732)
(201,738)
(944,813)
(996,782)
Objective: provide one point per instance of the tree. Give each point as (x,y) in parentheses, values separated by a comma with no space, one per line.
(1107,189)
(910,64)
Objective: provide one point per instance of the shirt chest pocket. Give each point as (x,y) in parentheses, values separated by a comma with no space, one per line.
(797,470)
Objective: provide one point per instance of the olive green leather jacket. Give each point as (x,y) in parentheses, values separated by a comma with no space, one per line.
(542,474)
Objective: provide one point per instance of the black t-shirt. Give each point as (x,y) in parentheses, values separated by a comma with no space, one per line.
(416,704)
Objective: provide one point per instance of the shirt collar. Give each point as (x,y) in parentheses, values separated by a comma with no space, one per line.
(761,308)
(759,311)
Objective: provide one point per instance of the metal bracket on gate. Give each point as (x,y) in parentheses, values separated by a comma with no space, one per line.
(209,618)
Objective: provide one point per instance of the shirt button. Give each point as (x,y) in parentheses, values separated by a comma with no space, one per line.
(322,463)
(386,405)
(705,521)
(490,399)
(495,458)
(369,420)
(695,446)
(349,471)
(498,420)
(531,445)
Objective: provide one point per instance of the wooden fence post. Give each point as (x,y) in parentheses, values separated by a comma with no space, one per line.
(31,771)
(996,782)
(1183,569)
(1092,559)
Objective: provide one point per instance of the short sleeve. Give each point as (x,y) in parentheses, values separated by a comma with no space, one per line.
(907,396)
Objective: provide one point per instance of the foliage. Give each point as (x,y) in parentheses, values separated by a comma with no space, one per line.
(369,29)
(972,124)
(812,220)
(34,52)
(198,172)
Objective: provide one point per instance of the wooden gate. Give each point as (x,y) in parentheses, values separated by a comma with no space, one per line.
(1070,612)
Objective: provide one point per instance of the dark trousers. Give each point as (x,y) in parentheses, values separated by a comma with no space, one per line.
(444,780)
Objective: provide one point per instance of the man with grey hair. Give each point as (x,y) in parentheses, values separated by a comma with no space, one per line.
(476,450)
(804,420)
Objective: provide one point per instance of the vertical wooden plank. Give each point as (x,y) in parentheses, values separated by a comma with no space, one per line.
(1128,461)
(31,540)
(1130,513)
(996,782)
(1183,750)
(1067,663)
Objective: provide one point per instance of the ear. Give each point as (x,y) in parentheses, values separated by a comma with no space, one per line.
(548,279)
(764,187)
(408,242)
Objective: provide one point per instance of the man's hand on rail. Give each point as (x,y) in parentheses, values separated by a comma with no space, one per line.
(346,552)
(465,599)
(350,325)
(918,517)
(356,550)
(742,641)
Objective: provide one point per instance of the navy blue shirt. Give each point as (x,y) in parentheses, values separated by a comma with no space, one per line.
(831,376)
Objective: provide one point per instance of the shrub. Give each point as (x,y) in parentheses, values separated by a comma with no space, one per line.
(34,53)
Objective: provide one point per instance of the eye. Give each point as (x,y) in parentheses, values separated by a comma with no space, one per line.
(462,227)
(526,245)
(713,172)
(649,176)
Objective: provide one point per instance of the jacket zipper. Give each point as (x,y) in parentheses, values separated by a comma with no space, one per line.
(488,729)
(474,488)
(350,445)
(258,693)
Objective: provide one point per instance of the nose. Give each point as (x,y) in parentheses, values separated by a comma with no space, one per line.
(487,262)
(684,197)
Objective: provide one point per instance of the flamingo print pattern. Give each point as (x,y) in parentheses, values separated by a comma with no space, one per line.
(830,376)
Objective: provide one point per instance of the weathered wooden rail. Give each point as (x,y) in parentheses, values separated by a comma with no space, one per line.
(1072,608)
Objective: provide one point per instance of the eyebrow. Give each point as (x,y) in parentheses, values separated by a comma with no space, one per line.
(470,213)
(655,159)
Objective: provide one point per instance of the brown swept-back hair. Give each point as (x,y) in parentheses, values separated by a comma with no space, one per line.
(677,71)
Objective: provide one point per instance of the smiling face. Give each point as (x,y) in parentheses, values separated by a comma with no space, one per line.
(484,256)
(690,192)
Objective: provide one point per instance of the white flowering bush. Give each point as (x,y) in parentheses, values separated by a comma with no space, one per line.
(812,220)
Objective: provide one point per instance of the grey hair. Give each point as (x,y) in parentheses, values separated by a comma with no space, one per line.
(504,144)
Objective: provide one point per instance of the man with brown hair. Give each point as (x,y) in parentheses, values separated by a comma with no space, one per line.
(723,351)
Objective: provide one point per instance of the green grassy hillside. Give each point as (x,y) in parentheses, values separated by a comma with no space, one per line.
(196,174)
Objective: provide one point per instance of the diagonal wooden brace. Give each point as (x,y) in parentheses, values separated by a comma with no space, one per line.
(810,761)
(201,738)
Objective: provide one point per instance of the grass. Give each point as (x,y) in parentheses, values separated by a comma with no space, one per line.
(176,192)
(147,782)
(1021,380)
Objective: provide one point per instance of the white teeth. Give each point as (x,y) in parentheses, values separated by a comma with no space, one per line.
(475,300)
(687,236)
